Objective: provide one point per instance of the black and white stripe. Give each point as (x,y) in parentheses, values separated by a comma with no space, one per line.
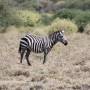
(31,43)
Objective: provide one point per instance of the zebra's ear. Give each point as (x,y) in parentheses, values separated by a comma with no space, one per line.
(62,31)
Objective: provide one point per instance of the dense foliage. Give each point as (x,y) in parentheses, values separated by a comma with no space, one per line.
(37,13)
(79,16)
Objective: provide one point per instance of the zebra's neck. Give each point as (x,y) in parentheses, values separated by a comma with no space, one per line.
(53,38)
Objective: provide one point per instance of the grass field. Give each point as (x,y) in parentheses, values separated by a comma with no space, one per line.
(66,68)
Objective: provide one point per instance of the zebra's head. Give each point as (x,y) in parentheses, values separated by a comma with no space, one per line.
(61,37)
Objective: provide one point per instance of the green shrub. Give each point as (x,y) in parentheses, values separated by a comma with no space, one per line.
(80,17)
(4,12)
(27,4)
(78,4)
(65,13)
(87,29)
(20,18)
(46,19)
(59,24)
(28,18)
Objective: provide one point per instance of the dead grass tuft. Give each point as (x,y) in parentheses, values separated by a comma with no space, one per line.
(76,87)
(21,73)
(36,87)
(37,78)
(18,88)
(3,87)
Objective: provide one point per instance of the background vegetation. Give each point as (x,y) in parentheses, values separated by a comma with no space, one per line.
(42,13)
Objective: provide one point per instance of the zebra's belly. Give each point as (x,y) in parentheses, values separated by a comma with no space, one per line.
(37,51)
(37,46)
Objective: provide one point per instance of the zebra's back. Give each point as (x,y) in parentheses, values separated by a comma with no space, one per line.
(34,43)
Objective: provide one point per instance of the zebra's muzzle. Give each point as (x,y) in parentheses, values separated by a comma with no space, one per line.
(65,42)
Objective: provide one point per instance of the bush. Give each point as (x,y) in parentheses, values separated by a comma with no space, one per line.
(28,18)
(80,17)
(4,12)
(87,29)
(78,4)
(65,13)
(46,19)
(20,18)
(59,24)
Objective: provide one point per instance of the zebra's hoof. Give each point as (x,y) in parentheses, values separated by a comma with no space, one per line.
(29,64)
(43,62)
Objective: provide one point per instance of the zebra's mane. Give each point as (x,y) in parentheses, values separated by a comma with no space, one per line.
(56,32)
(51,35)
(34,35)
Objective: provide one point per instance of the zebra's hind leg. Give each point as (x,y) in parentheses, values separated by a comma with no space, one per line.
(44,58)
(27,57)
(22,54)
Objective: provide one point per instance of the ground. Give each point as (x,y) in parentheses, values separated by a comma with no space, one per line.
(66,68)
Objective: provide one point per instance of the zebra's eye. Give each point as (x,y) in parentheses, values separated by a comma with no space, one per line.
(61,36)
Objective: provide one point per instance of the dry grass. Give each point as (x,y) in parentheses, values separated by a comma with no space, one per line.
(66,68)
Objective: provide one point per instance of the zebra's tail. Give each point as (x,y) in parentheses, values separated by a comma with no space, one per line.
(19,50)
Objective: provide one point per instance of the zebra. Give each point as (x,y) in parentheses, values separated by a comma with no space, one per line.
(32,43)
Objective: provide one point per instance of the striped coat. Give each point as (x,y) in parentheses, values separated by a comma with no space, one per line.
(32,43)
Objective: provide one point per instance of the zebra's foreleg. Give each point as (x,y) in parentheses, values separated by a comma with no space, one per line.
(44,58)
(27,56)
(45,55)
(22,54)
